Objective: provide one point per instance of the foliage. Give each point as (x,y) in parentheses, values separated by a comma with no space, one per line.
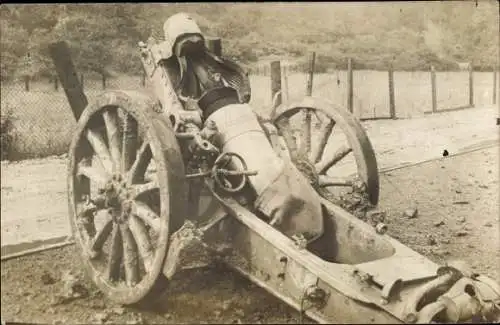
(407,35)
(6,133)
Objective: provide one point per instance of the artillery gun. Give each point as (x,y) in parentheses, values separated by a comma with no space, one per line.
(161,184)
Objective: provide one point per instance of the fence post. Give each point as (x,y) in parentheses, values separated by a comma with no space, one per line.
(214,45)
(433,89)
(284,77)
(495,87)
(27,83)
(312,62)
(81,80)
(392,104)
(471,85)
(275,86)
(350,88)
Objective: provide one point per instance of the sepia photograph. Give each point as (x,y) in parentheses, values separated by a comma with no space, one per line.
(250,163)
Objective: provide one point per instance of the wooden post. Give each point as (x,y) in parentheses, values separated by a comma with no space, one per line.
(433,89)
(214,45)
(27,83)
(56,83)
(471,85)
(312,62)
(103,81)
(275,85)
(350,88)
(495,87)
(285,84)
(392,105)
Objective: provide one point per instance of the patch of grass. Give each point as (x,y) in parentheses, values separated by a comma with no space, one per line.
(6,136)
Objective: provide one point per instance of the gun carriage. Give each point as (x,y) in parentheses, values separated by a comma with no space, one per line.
(192,175)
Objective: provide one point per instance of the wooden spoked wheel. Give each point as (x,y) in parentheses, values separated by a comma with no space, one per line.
(126,194)
(329,146)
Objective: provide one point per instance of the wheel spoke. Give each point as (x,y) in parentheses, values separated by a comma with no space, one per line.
(141,237)
(111,122)
(286,132)
(130,257)
(97,142)
(115,255)
(325,164)
(129,146)
(93,173)
(138,169)
(318,150)
(325,181)
(147,215)
(139,189)
(305,144)
(100,238)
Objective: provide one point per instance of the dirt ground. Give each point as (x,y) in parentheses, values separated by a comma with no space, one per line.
(458,218)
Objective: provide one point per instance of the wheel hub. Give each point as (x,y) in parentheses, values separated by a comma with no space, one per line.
(117,198)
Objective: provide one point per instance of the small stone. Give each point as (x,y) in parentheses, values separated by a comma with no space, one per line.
(226,305)
(461,220)
(470,246)
(118,310)
(239,312)
(410,213)
(438,223)
(461,233)
(431,241)
(488,224)
(101,317)
(458,191)
(445,241)
(483,186)
(17,310)
(47,279)
(376,215)
(217,313)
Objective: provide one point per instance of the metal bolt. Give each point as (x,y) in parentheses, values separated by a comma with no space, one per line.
(410,318)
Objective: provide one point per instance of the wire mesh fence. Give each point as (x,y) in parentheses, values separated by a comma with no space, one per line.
(37,120)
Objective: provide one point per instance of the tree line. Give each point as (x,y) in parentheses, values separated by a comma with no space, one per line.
(407,35)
